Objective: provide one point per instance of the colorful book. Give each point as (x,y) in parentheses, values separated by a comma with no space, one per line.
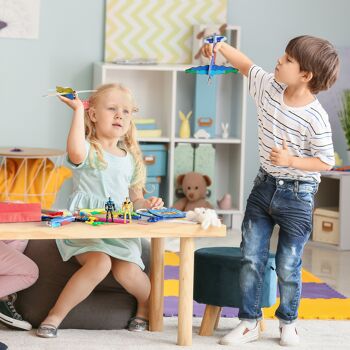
(149,133)
(138,121)
(146,126)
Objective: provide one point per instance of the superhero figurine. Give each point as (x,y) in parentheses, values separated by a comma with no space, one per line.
(109,207)
(127,209)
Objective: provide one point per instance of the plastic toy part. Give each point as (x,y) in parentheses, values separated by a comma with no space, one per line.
(60,221)
(127,209)
(109,207)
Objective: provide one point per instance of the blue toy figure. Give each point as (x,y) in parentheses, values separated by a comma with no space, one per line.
(109,207)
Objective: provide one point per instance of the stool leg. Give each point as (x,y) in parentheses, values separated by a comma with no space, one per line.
(209,320)
(217,319)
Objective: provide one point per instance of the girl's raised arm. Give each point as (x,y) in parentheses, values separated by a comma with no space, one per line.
(76,137)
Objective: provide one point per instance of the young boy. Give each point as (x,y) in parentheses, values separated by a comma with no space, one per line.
(295,144)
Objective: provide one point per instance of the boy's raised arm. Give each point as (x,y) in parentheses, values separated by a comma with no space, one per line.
(234,56)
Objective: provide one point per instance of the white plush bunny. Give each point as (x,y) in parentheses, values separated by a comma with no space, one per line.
(224,127)
(206,217)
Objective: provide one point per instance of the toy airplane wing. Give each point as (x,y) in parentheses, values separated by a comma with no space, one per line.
(64,90)
(67,92)
(214,70)
(213,39)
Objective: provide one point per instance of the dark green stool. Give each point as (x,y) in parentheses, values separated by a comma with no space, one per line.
(216,283)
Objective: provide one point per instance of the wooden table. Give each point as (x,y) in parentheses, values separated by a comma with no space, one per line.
(157,232)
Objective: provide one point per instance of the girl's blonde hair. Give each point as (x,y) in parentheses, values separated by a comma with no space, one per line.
(129,142)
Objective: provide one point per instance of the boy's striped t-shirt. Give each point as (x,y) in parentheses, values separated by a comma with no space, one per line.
(306,129)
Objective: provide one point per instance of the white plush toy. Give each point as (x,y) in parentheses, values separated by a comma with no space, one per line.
(207,217)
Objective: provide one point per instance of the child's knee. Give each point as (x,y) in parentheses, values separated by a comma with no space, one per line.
(126,270)
(30,272)
(99,262)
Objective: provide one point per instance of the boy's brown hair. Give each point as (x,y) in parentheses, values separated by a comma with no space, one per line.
(317,56)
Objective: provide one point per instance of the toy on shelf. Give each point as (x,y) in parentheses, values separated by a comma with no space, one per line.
(224,128)
(225,202)
(212,69)
(201,134)
(185,129)
(127,209)
(194,186)
(206,217)
(109,207)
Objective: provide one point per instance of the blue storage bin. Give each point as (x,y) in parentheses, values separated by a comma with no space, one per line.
(155,159)
(152,186)
(205,105)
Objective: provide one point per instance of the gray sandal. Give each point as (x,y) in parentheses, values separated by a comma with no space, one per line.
(46,330)
(138,324)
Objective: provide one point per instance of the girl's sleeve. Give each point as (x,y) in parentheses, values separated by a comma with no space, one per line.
(133,171)
(71,165)
(258,82)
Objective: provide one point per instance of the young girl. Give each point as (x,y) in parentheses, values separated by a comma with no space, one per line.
(107,162)
(17,272)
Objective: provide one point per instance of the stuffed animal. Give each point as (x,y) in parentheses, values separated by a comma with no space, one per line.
(206,217)
(207,31)
(194,186)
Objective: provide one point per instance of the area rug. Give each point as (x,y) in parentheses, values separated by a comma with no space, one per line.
(319,300)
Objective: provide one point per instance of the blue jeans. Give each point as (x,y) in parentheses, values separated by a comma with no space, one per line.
(288,203)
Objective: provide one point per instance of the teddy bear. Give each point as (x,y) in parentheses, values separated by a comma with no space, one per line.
(206,217)
(194,186)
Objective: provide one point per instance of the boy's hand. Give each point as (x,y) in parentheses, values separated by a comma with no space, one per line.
(281,156)
(75,104)
(207,49)
(153,202)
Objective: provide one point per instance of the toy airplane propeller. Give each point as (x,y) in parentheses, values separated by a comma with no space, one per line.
(212,69)
(67,92)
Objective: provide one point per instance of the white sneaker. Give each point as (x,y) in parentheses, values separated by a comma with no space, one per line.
(289,334)
(243,333)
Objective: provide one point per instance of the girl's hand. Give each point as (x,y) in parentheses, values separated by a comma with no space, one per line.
(153,202)
(75,104)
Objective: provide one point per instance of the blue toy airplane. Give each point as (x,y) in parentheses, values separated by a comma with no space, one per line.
(212,69)
(67,92)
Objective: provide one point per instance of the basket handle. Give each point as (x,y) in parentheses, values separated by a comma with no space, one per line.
(149,160)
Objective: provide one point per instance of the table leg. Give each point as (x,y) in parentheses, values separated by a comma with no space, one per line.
(184,335)
(156,305)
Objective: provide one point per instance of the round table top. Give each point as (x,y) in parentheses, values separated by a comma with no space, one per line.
(26,152)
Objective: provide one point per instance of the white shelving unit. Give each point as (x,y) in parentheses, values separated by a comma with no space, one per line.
(162,90)
(334,191)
